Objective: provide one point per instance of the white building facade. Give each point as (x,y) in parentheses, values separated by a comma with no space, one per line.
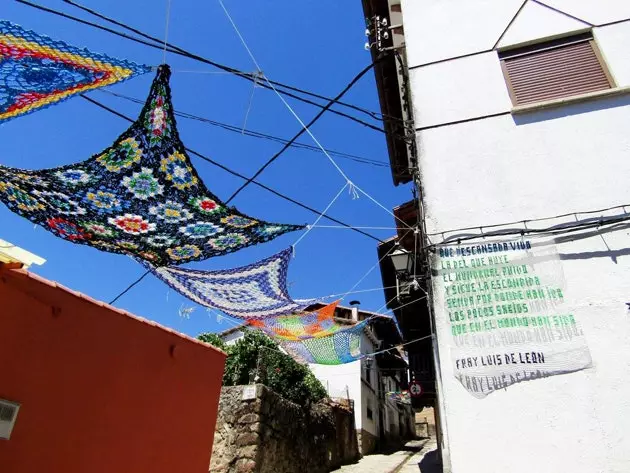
(530,273)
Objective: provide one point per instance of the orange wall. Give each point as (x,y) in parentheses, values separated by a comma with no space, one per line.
(100,391)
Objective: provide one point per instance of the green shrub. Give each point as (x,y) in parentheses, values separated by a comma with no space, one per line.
(257,354)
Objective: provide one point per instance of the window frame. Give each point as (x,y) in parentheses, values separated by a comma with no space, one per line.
(547,44)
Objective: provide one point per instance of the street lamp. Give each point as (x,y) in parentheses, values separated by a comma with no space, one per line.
(404,264)
(403,261)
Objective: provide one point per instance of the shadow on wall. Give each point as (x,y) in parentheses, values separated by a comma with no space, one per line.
(609,253)
(569,110)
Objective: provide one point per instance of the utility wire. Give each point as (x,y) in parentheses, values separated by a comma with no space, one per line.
(176,50)
(128,288)
(553,230)
(257,134)
(397,346)
(540,219)
(353,186)
(168,19)
(302,131)
(234,173)
(375,115)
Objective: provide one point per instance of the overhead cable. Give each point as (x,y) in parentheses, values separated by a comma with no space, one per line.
(303,129)
(129,287)
(257,134)
(532,220)
(176,50)
(306,128)
(549,231)
(375,115)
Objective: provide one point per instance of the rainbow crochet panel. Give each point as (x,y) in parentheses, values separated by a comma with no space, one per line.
(337,349)
(37,71)
(140,197)
(253,291)
(302,326)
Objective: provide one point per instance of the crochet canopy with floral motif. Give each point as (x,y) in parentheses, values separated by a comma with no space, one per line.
(37,71)
(140,197)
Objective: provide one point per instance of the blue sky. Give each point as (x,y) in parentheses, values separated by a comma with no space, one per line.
(313,44)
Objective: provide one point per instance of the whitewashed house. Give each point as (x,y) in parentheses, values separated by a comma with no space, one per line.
(519,115)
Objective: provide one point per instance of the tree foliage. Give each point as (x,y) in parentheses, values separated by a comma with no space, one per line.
(213,339)
(256,355)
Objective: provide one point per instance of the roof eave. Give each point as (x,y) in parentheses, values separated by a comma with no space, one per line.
(389,94)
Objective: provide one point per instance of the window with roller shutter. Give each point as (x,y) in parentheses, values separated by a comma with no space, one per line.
(555,69)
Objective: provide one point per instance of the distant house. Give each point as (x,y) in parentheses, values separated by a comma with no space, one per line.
(87,387)
(232,335)
(379,421)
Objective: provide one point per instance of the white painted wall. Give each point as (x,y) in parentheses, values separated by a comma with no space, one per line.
(442,94)
(369,388)
(537,21)
(595,12)
(342,379)
(542,164)
(440,29)
(510,168)
(232,337)
(613,41)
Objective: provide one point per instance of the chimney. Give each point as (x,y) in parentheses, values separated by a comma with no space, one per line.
(355,310)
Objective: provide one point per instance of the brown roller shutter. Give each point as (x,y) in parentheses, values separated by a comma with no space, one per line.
(555,69)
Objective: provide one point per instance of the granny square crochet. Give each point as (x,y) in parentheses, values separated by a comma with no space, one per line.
(140,197)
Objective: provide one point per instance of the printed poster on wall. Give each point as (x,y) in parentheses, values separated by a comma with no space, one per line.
(504,304)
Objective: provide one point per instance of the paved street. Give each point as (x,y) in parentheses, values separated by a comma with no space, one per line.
(424,461)
(415,458)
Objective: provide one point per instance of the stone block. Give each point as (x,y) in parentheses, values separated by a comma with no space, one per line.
(255,427)
(245,466)
(249,418)
(248,438)
(248,452)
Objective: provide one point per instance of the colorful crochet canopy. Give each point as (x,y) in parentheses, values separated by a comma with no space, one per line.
(399,396)
(36,71)
(303,326)
(257,290)
(140,197)
(342,347)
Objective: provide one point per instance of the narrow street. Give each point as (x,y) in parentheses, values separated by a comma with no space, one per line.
(418,456)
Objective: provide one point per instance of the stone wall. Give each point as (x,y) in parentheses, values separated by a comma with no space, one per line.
(367,441)
(343,445)
(268,434)
(425,423)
